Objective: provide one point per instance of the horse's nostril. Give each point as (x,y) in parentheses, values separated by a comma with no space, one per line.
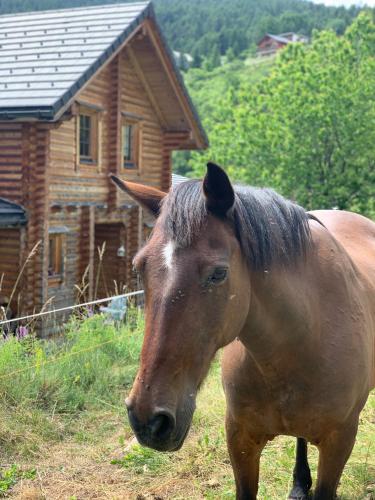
(134,422)
(162,425)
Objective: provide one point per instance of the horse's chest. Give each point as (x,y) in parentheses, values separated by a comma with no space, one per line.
(284,403)
(276,405)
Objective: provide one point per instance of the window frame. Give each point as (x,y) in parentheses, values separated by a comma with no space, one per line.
(93,113)
(135,162)
(58,248)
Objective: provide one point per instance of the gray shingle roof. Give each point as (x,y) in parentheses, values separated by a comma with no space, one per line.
(11,214)
(279,38)
(46,57)
(177,179)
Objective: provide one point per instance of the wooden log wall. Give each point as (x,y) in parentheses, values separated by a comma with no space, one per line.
(135,101)
(11,161)
(114,132)
(24,153)
(86,251)
(35,193)
(132,239)
(110,274)
(117,90)
(63,291)
(10,262)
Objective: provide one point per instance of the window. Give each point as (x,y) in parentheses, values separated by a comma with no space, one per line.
(87,135)
(55,260)
(85,127)
(130,144)
(128,131)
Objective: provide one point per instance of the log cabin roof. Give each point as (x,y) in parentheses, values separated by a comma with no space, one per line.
(47,57)
(11,214)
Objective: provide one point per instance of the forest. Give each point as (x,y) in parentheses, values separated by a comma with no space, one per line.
(212,28)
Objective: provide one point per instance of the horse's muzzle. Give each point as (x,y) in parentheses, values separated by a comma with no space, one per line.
(158,432)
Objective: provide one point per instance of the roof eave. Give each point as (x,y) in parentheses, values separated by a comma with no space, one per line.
(45,113)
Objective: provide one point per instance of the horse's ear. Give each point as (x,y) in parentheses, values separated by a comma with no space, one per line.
(149,197)
(218,190)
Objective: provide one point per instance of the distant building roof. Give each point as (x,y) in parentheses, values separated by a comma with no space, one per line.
(11,214)
(286,37)
(46,57)
(278,38)
(177,179)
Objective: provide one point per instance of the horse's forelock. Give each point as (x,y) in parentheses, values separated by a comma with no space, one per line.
(183,213)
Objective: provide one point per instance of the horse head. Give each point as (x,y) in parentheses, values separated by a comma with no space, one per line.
(197,297)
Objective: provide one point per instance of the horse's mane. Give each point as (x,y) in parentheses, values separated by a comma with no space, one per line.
(269,227)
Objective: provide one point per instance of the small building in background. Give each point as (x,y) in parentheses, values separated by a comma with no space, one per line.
(84,93)
(270,44)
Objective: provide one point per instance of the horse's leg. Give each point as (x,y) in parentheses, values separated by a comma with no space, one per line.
(334,451)
(301,474)
(244,451)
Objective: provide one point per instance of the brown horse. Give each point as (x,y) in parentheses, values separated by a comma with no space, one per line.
(290,295)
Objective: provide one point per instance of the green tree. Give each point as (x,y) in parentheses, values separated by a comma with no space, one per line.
(230,55)
(309,128)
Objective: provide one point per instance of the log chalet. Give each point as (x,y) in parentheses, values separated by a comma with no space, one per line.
(84,92)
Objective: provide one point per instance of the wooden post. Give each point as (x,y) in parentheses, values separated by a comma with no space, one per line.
(87,247)
(114,130)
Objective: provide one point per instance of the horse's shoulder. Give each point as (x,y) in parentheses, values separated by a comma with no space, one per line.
(354,234)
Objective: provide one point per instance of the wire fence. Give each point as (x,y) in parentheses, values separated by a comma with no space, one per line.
(71,308)
(63,357)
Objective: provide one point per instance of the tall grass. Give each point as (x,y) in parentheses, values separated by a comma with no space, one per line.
(88,368)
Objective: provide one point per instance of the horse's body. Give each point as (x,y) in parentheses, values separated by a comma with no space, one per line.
(305,363)
(297,323)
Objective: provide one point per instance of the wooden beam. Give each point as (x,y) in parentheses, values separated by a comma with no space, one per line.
(91,251)
(150,95)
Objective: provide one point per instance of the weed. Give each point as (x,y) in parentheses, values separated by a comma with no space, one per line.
(11,476)
(40,380)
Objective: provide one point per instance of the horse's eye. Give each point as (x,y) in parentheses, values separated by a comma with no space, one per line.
(218,276)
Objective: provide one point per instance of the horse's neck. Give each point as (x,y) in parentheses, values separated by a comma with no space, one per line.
(281,314)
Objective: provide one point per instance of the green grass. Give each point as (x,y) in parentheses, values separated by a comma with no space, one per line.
(9,477)
(63,427)
(41,380)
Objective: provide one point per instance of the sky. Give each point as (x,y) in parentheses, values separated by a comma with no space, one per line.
(346,3)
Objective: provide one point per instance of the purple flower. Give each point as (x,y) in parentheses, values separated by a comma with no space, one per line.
(22,332)
(89,311)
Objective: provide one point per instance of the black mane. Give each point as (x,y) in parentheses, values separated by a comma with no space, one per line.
(269,228)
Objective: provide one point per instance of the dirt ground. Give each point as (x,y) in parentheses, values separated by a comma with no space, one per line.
(75,471)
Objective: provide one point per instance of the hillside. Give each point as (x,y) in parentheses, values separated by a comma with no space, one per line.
(208,88)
